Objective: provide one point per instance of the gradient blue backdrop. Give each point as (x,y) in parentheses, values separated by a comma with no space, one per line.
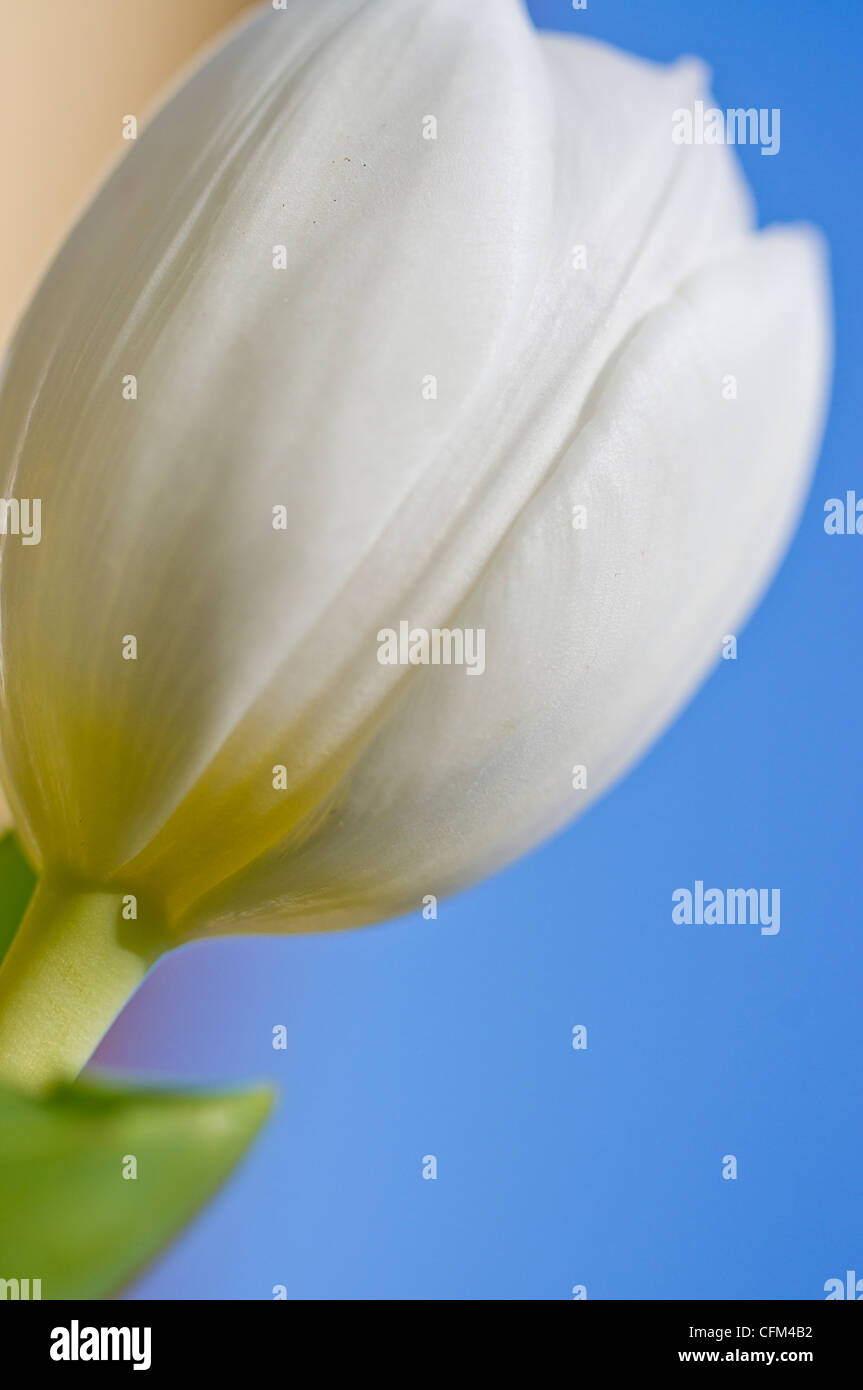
(453,1037)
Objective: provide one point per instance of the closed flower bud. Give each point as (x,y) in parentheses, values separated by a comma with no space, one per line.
(398,320)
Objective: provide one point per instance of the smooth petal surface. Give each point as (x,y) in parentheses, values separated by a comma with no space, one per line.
(596,637)
(302,386)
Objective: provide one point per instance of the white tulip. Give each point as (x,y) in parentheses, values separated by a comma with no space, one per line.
(508,358)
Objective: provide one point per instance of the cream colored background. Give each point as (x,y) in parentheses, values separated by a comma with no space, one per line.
(70,70)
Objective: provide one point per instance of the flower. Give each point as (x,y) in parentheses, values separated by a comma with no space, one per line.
(396,313)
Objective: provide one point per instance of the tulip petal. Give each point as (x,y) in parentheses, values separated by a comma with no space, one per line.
(256,387)
(595,637)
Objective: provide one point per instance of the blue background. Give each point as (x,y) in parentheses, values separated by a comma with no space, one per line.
(453,1037)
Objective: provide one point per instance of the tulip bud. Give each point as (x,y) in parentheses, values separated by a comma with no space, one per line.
(399,320)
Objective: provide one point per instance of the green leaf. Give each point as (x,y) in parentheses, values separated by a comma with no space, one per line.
(17,881)
(69,1216)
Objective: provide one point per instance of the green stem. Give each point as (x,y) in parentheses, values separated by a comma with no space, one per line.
(71,967)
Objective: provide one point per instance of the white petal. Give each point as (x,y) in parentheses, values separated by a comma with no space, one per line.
(594,637)
(255,387)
